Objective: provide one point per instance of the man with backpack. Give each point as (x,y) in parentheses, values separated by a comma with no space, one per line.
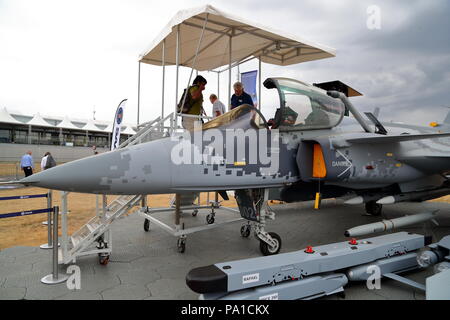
(47,161)
(193,102)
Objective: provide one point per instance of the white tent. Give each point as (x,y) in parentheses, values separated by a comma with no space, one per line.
(90,126)
(128,130)
(109,128)
(7,118)
(227,34)
(66,124)
(39,121)
(206,38)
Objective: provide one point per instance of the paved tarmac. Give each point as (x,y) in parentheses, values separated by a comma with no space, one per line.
(146,265)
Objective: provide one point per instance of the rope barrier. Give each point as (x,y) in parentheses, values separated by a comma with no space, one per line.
(25,213)
(45,195)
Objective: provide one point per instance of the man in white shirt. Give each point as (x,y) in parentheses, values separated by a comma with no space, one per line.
(218,107)
(44,161)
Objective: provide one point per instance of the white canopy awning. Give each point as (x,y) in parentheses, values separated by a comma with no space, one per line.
(90,126)
(248,39)
(128,130)
(66,124)
(109,128)
(39,121)
(7,118)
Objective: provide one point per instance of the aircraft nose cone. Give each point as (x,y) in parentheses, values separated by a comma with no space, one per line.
(139,169)
(84,175)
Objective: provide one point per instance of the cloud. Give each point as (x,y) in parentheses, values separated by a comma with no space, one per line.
(65,57)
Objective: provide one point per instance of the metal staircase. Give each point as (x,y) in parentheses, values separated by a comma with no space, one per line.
(80,243)
(94,230)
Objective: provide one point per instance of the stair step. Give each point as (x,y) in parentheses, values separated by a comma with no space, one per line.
(60,256)
(75,240)
(91,227)
(96,225)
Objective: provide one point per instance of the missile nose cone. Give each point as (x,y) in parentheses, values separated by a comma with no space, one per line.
(386,200)
(355,200)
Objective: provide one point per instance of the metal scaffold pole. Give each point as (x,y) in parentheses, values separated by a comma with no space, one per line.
(54,277)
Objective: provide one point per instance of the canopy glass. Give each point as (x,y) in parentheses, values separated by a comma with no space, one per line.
(304,107)
(243,117)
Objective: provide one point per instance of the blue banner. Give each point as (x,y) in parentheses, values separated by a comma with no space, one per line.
(248,80)
(24,213)
(118,118)
(45,195)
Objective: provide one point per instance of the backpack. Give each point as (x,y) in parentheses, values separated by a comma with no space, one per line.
(50,162)
(187,104)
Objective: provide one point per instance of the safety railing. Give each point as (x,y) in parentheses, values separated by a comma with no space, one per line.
(48,209)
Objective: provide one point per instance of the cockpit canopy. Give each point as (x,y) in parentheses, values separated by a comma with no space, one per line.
(304,107)
(243,117)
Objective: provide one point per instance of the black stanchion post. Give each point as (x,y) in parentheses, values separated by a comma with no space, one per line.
(54,278)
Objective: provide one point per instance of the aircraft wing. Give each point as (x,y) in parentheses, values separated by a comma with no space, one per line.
(397,138)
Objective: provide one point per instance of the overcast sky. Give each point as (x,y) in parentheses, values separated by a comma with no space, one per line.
(64,57)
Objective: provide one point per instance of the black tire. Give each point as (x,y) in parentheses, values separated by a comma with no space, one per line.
(245,231)
(146,225)
(194,213)
(210,219)
(103,260)
(373,208)
(268,251)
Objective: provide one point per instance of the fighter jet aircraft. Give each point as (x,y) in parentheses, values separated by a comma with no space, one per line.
(308,149)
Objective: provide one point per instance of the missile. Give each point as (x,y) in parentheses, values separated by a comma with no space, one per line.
(399,263)
(414,196)
(363,199)
(355,200)
(387,200)
(386,225)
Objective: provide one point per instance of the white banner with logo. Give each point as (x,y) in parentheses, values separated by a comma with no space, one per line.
(116,127)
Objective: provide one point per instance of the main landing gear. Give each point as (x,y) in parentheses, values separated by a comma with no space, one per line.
(373,208)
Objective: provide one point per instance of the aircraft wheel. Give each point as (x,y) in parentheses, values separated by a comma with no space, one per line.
(194,213)
(181,244)
(268,250)
(146,225)
(373,208)
(245,230)
(210,218)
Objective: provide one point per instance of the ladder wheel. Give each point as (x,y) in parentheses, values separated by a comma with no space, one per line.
(181,244)
(146,225)
(210,218)
(268,250)
(104,260)
(245,231)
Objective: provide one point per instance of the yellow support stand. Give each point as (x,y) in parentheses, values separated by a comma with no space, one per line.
(317,202)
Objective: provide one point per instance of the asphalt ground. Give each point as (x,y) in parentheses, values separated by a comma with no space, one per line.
(147,265)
